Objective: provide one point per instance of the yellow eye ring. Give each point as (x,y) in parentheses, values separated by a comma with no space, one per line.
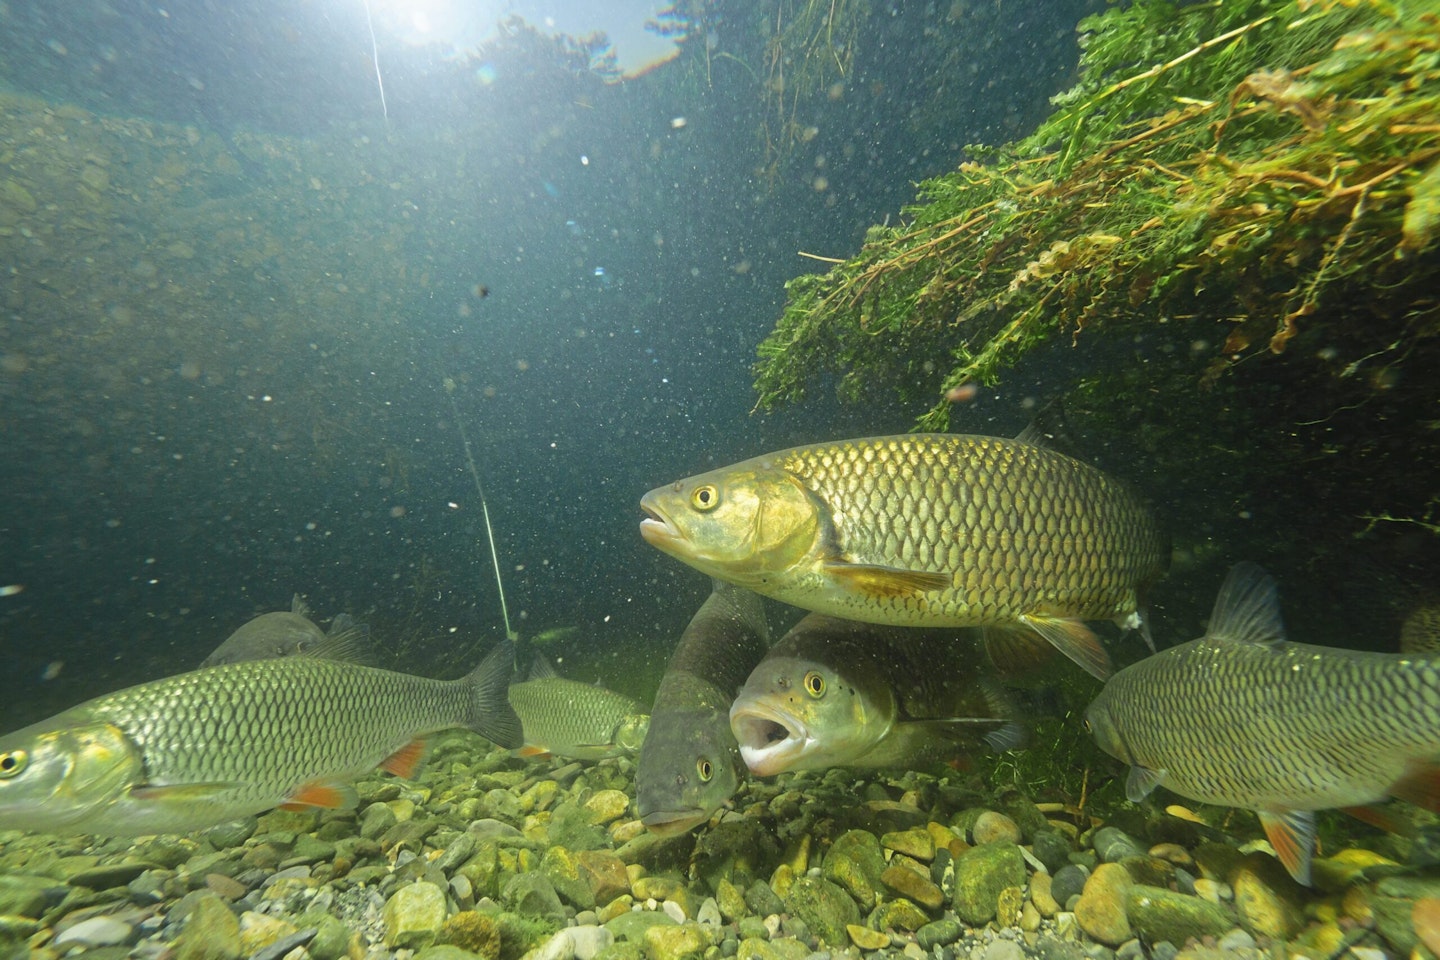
(12,764)
(705,497)
(814,684)
(705,769)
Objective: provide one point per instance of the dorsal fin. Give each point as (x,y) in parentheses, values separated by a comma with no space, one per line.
(1247,609)
(541,668)
(299,607)
(347,641)
(1048,429)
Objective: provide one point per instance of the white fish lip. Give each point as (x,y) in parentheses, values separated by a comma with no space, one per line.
(656,528)
(672,823)
(771,741)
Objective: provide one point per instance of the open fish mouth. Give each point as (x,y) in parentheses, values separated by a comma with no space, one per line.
(770,741)
(672,823)
(657,530)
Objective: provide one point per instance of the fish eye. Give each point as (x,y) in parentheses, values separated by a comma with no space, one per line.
(12,763)
(814,684)
(705,768)
(705,497)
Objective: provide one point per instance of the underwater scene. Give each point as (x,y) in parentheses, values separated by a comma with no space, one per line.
(759,479)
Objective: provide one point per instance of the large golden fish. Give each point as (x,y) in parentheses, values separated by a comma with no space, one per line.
(923,530)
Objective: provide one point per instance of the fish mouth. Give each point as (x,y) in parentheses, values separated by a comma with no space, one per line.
(672,823)
(656,528)
(771,741)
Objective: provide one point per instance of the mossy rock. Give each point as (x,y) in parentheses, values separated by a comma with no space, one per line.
(1158,914)
(981,874)
(825,907)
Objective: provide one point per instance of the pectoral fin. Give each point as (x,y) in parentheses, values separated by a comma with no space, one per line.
(1141,782)
(1292,834)
(1075,640)
(182,793)
(880,582)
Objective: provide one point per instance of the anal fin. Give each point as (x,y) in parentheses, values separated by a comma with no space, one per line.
(1420,785)
(407,761)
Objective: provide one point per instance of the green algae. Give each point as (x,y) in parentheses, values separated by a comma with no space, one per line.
(1260,164)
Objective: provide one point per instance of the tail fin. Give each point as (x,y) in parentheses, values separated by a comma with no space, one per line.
(492,716)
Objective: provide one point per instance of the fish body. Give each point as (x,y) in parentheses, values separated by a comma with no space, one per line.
(1244,718)
(577,720)
(837,692)
(286,633)
(189,751)
(923,530)
(690,764)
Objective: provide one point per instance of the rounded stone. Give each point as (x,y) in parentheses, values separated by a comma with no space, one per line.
(992,827)
(414,915)
(1101,909)
(867,939)
(938,934)
(1158,914)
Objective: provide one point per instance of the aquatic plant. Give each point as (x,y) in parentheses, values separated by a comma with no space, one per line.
(1254,162)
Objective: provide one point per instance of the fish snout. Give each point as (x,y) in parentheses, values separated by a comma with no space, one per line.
(656,528)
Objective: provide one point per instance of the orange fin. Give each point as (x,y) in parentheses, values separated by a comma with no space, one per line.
(1420,786)
(876,581)
(1382,818)
(1075,640)
(1292,834)
(1425,918)
(406,761)
(331,796)
(531,750)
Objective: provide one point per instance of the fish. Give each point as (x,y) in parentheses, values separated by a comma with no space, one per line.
(576,720)
(286,633)
(186,752)
(839,693)
(690,764)
(1245,718)
(925,530)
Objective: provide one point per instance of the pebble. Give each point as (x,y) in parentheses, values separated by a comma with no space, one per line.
(1068,882)
(1041,885)
(992,827)
(1113,845)
(94,932)
(865,938)
(413,915)
(226,887)
(1100,911)
(938,933)
(1003,950)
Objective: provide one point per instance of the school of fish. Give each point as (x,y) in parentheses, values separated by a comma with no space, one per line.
(895,546)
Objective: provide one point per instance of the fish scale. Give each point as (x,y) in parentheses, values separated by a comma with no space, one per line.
(1024,529)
